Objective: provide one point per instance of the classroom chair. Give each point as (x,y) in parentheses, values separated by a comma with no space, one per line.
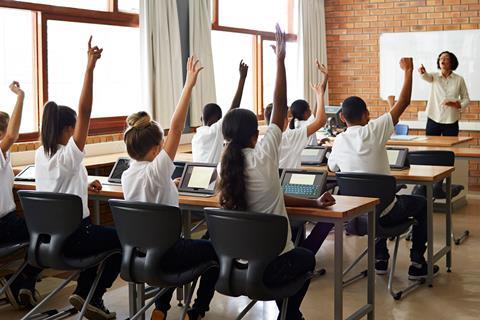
(51,219)
(244,259)
(7,250)
(401,129)
(438,158)
(384,188)
(142,252)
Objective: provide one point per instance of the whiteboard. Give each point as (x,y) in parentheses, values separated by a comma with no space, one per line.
(425,47)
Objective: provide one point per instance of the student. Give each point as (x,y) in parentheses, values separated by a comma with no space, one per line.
(361,148)
(246,182)
(301,117)
(207,143)
(21,292)
(149,180)
(59,168)
(295,140)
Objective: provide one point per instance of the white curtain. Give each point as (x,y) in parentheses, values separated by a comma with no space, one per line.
(161,58)
(312,45)
(201,46)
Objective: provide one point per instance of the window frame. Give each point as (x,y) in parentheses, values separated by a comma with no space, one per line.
(41,13)
(257,44)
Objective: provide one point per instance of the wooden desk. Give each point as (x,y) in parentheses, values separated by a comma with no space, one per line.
(344,210)
(431,141)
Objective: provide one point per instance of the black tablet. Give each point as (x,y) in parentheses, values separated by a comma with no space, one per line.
(199,178)
(304,183)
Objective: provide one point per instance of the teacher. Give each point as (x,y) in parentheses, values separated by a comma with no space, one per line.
(448,96)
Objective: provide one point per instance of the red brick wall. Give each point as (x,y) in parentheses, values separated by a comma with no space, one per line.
(353,28)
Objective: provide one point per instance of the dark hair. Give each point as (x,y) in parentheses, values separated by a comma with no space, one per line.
(297,109)
(353,109)
(55,119)
(238,128)
(141,135)
(211,113)
(453,60)
(268,112)
(4,118)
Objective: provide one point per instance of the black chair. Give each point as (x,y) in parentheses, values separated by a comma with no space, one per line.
(51,219)
(244,259)
(384,188)
(7,250)
(438,158)
(136,222)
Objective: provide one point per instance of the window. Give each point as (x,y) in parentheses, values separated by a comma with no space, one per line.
(132,6)
(101,5)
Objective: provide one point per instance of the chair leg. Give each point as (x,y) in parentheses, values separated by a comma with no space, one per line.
(149,304)
(458,241)
(92,290)
(360,275)
(283,312)
(188,299)
(13,277)
(246,309)
(50,295)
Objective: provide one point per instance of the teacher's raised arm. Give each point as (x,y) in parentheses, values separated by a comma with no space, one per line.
(448,96)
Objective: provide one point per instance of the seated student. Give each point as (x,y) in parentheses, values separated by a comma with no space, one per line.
(21,293)
(149,180)
(295,140)
(361,148)
(246,182)
(207,143)
(59,168)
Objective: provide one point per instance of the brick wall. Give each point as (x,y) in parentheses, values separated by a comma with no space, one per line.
(353,28)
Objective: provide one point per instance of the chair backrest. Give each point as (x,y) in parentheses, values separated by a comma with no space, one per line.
(245,243)
(146,231)
(432,158)
(401,129)
(51,218)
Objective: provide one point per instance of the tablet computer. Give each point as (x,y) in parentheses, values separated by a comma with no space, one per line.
(314,155)
(122,164)
(27,174)
(304,183)
(397,158)
(198,179)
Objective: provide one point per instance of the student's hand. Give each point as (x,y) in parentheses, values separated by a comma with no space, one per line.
(326,200)
(422,70)
(320,87)
(280,47)
(454,104)
(193,69)
(94,54)
(95,186)
(177,181)
(406,64)
(243,69)
(15,88)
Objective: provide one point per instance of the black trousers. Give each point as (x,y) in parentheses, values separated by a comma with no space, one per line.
(182,256)
(284,269)
(13,229)
(407,206)
(441,129)
(90,239)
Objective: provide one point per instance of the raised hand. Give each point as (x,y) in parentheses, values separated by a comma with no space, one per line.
(320,87)
(325,200)
(280,47)
(94,54)
(422,70)
(15,88)
(243,69)
(193,69)
(406,64)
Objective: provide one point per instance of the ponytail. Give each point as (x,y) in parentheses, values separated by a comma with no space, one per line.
(239,126)
(142,135)
(298,109)
(55,119)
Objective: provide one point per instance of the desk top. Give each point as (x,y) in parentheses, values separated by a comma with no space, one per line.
(471,153)
(431,141)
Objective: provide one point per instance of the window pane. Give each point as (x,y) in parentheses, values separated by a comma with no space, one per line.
(253,14)
(270,69)
(101,5)
(228,49)
(16,63)
(117,75)
(131,6)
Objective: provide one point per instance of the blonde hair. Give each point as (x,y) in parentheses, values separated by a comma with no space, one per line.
(4,118)
(141,135)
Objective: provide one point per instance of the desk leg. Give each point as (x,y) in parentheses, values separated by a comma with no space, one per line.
(96,212)
(429,187)
(448,223)
(338,265)
(371,264)
(140,299)
(132,299)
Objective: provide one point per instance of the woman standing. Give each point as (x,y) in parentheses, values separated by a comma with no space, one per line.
(448,96)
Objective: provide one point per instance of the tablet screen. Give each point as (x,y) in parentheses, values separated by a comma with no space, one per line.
(311,152)
(120,167)
(200,177)
(392,156)
(27,175)
(297,178)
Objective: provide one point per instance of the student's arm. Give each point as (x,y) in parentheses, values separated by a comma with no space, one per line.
(325,200)
(405,95)
(280,107)
(237,99)
(86,97)
(320,116)
(424,74)
(13,128)
(179,116)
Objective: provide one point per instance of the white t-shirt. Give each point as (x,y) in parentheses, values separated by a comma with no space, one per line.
(151,181)
(312,140)
(7,204)
(263,190)
(362,148)
(63,173)
(207,143)
(293,142)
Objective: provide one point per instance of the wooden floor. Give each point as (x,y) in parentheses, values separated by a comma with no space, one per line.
(454,296)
